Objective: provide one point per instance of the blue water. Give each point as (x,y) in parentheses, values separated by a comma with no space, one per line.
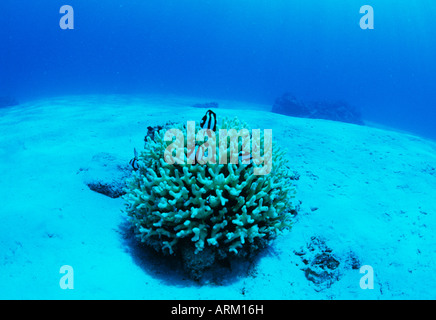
(251,50)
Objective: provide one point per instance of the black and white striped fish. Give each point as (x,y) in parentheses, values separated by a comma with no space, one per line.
(134,162)
(209,121)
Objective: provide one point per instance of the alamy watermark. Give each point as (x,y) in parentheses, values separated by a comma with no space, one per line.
(67,20)
(367,21)
(206,152)
(367,281)
(67,280)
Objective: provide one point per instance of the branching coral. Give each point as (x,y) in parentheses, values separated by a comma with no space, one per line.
(223,208)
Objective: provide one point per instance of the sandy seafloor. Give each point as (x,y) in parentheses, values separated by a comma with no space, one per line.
(375,191)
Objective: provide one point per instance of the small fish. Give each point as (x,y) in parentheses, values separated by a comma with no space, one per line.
(134,162)
(209,121)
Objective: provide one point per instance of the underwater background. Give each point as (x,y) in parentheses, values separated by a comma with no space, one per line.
(248,50)
(84,110)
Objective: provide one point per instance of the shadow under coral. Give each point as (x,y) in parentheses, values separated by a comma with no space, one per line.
(170,268)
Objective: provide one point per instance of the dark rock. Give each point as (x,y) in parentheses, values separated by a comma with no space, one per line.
(8,102)
(322,265)
(296,209)
(336,111)
(195,264)
(207,105)
(295,176)
(151,130)
(430,170)
(325,261)
(213,262)
(323,269)
(289,105)
(107,174)
(352,261)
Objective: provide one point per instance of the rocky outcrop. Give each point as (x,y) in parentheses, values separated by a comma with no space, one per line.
(323,266)
(207,105)
(106,174)
(337,111)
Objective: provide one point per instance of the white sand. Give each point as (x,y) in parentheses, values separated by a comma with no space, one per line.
(375,191)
